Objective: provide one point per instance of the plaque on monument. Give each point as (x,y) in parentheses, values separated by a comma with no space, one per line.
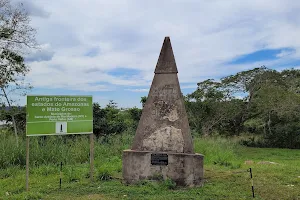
(159,159)
(163,143)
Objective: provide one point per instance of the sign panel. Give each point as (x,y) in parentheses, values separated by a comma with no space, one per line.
(159,159)
(58,115)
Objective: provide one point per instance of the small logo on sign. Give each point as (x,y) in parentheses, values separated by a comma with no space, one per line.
(61,127)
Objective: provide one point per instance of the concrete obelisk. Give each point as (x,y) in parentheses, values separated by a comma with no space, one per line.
(163,144)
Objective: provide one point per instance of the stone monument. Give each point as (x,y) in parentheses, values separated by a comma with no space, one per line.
(163,143)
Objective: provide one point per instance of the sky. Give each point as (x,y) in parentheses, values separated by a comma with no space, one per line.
(109,49)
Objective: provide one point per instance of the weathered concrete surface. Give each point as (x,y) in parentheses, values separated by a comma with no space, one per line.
(165,139)
(184,169)
(164,111)
(164,127)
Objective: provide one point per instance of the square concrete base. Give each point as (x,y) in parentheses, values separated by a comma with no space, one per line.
(184,169)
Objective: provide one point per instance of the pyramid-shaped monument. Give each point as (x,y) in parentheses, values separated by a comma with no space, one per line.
(164,124)
(163,144)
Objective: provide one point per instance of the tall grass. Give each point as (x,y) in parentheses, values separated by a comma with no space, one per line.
(10,153)
(218,151)
(74,149)
(52,150)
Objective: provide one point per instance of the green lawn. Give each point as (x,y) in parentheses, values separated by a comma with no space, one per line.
(226,177)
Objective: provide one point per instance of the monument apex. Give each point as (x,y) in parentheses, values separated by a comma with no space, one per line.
(166,62)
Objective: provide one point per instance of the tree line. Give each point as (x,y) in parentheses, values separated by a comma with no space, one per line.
(262,103)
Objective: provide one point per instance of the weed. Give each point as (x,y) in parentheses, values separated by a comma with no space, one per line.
(72,174)
(169,184)
(104,175)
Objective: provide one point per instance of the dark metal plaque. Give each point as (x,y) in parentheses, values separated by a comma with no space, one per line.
(159,159)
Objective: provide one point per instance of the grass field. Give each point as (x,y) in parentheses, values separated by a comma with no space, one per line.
(226,175)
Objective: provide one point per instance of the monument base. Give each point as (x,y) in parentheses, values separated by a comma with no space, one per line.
(183,168)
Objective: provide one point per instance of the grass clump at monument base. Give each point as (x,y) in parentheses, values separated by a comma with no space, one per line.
(224,163)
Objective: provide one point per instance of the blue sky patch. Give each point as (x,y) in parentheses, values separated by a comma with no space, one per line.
(266,54)
(290,64)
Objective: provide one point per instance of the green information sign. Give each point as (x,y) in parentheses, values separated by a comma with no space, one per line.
(59,115)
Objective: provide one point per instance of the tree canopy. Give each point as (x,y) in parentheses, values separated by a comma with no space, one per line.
(16,37)
(261,101)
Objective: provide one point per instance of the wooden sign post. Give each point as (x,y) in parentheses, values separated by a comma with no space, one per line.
(27,163)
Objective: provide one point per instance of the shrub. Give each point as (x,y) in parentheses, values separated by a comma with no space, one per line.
(169,184)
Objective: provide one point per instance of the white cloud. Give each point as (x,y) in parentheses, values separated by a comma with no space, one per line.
(129,34)
(284,53)
(138,90)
